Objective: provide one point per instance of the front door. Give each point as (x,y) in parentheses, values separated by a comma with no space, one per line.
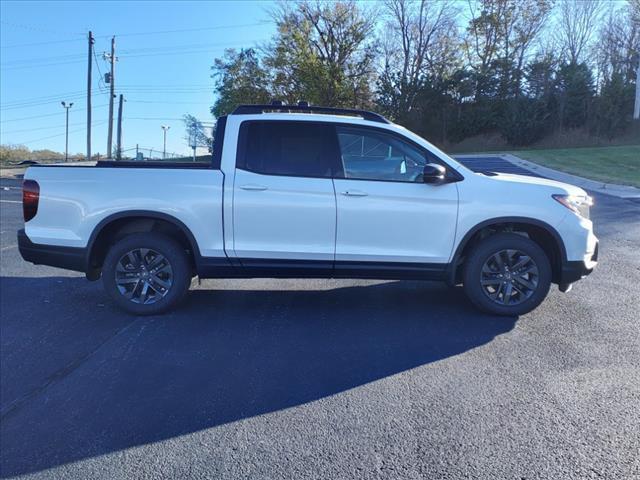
(386,214)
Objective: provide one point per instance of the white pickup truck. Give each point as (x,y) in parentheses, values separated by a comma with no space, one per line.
(308,192)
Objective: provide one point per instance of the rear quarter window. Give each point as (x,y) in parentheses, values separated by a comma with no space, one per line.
(304,149)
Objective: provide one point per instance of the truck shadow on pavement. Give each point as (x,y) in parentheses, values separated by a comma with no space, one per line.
(81,381)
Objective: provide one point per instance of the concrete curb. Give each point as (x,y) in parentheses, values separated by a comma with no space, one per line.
(620,191)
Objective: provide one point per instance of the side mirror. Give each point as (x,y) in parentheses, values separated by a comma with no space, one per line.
(433,173)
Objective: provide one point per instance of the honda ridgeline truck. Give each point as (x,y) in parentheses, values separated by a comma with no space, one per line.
(308,192)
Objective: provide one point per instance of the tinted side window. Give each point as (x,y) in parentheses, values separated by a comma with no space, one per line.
(287,148)
(368,154)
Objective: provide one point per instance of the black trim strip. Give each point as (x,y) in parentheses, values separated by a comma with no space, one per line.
(281,268)
(149,164)
(69,258)
(218,140)
(573,271)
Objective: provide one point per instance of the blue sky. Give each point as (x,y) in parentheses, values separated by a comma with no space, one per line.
(162,73)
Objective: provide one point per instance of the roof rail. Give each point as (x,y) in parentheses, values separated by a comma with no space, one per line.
(304,107)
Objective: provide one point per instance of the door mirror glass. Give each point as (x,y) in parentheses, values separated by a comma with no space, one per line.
(433,173)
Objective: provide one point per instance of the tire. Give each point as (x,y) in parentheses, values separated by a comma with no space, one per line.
(507,292)
(124,278)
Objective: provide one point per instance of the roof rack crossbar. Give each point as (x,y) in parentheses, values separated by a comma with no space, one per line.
(366,115)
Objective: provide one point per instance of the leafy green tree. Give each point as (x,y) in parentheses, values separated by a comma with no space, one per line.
(524,122)
(323,53)
(575,94)
(614,106)
(239,78)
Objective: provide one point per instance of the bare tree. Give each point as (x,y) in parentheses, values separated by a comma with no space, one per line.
(578,20)
(484,33)
(500,34)
(617,48)
(419,40)
(530,19)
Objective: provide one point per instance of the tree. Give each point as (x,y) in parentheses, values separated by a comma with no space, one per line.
(577,24)
(575,91)
(420,40)
(323,52)
(196,134)
(615,105)
(239,78)
(499,36)
(618,49)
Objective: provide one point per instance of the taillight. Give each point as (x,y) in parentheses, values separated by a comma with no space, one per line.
(30,198)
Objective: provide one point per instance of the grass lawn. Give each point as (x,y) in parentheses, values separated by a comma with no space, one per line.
(620,164)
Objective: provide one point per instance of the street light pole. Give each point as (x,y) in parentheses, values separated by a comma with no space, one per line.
(164,150)
(66,143)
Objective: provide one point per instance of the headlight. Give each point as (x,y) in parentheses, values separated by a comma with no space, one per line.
(579,204)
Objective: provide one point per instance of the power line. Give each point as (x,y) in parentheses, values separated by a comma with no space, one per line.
(46,102)
(61,134)
(153,118)
(201,29)
(38,43)
(164,102)
(46,115)
(134,53)
(34,103)
(74,58)
(101,84)
(127,86)
(219,27)
(43,97)
(40,59)
(41,128)
(36,28)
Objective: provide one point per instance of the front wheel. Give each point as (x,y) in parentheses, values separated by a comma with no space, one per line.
(507,274)
(146,273)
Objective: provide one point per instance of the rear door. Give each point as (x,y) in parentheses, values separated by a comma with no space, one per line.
(386,214)
(284,207)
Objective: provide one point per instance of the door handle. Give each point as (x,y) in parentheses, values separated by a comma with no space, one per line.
(253,186)
(355,193)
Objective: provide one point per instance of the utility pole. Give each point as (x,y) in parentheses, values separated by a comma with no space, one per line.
(89,97)
(164,150)
(636,110)
(119,134)
(66,141)
(112,60)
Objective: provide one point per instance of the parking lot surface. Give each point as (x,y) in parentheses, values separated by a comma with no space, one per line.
(321,378)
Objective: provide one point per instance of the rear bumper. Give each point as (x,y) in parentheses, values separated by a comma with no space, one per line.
(69,258)
(575,270)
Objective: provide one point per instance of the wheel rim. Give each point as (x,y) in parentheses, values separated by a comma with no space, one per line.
(509,277)
(144,276)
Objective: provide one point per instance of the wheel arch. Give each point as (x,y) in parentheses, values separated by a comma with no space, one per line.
(118,224)
(539,231)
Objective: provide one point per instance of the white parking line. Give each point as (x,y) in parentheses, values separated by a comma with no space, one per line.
(7,247)
(11,201)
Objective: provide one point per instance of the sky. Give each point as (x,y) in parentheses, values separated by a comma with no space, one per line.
(165,50)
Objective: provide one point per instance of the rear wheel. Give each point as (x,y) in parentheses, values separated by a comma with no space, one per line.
(146,273)
(507,274)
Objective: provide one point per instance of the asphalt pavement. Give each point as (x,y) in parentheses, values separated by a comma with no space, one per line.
(316,379)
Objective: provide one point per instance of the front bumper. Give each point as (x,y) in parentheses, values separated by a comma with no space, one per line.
(573,271)
(69,258)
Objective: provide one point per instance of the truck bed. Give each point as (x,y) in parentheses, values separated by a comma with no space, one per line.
(75,199)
